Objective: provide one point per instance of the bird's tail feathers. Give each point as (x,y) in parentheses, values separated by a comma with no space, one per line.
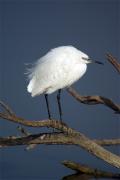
(33,89)
(30,86)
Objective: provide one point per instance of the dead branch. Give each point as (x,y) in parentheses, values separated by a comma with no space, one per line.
(76,137)
(113,61)
(81,168)
(49,138)
(92,100)
(7,109)
(107,142)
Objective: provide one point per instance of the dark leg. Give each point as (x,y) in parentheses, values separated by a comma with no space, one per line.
(47,103)
(59,104)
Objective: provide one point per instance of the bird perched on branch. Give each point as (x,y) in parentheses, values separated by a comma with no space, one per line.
(56,70)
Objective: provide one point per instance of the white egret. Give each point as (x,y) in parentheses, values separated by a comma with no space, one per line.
(58,69)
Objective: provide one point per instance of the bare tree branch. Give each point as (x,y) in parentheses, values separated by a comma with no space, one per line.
(75,137)
(92,100)
(113,61)
(81,168)
(107,142)
(49,138)
(7,109)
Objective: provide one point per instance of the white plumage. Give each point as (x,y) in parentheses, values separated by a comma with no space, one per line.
(59,68)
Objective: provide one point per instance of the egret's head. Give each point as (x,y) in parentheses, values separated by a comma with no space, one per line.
(87,60)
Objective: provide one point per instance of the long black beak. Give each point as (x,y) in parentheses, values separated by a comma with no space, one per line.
(97,62)
(88,60)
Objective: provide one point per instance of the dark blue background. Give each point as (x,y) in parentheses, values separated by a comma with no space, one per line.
(28,29)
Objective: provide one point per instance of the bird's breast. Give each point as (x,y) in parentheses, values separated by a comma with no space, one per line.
(76,72)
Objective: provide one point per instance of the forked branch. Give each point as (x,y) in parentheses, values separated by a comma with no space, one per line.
(76,138)
(49,139)
(93,100)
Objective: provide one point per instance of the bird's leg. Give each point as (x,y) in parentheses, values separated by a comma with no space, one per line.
(59,104)
(47,104)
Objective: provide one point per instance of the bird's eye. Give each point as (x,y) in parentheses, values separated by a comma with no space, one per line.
(84,58)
